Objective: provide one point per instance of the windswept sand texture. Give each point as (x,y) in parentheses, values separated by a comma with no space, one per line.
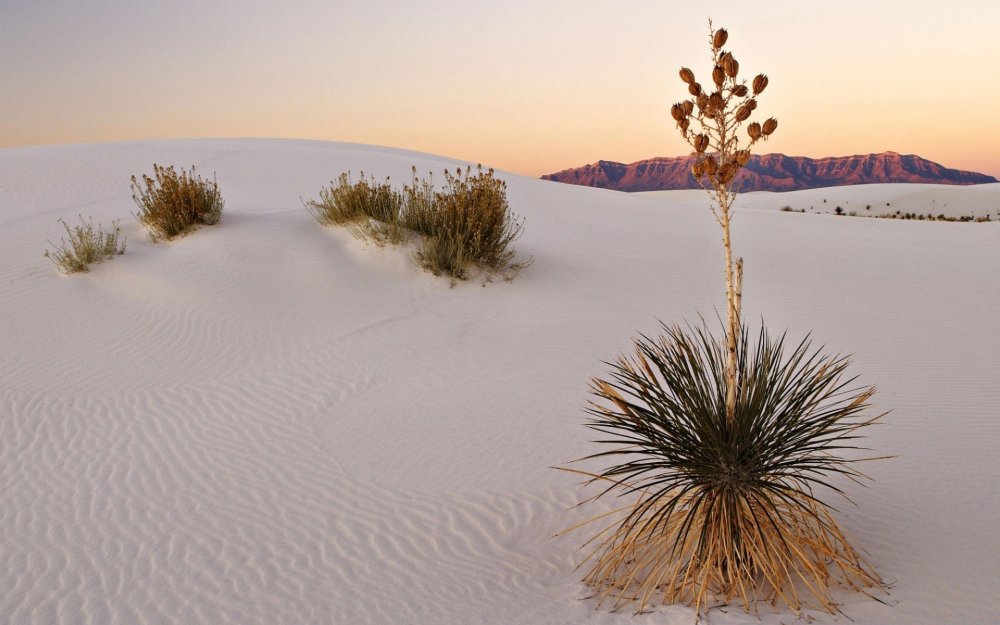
(269,422)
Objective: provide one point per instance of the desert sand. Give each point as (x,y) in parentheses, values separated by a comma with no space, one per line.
(271,422)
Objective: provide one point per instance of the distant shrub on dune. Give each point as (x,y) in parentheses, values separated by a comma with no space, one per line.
(170,203)
(372,210)
(85,245)
(466,223)
(470,223)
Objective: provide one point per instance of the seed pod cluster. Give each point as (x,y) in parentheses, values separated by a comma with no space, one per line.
(720,157)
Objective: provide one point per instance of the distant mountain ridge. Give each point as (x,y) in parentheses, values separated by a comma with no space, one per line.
(771,172)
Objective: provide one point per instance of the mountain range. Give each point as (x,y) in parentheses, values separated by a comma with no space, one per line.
(771,172)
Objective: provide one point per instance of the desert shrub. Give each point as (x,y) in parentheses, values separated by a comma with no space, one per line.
(372,210)
(470,223)
(466,223)
(171,204)
(725,509)
(84,245)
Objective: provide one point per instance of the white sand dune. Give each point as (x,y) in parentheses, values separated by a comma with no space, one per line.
(269,422)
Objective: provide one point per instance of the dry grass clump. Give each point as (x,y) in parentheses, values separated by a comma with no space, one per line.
(466,223)
(84,245)
(372,210)
(170,204)
(419,205)
(470,223)
(725,510)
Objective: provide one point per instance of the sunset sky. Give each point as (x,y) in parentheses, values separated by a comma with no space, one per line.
(531,86)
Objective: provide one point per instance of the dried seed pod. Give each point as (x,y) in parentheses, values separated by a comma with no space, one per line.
(727,172)
(718,76)
(743,113)
(754,130)
(740,91)
(715,101)
(710,165)
(769,126)
(701,143)
(687,75)
(719,39)
(743,157)
(684,123)
(759,83)
(702,101)
(688,107)
(752,104)
(697,169)
(694,88)
(731,66)
(677,112)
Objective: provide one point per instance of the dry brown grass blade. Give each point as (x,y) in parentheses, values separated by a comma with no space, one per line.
(791,550)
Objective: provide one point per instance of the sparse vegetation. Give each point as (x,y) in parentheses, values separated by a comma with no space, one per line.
(930,217)
(471,223)
(369,208)
(724,445)
(466,223)
(171,204)
(85,245)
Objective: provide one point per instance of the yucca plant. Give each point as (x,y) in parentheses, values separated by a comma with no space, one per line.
(171,204)
(724,447)
(725,510)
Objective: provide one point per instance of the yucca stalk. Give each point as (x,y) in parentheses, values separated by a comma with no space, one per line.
(719,114)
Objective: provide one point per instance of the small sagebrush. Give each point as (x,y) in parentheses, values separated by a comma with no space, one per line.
(372,210)
(471,224)
(172,203)
(84,245)
(721,508)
